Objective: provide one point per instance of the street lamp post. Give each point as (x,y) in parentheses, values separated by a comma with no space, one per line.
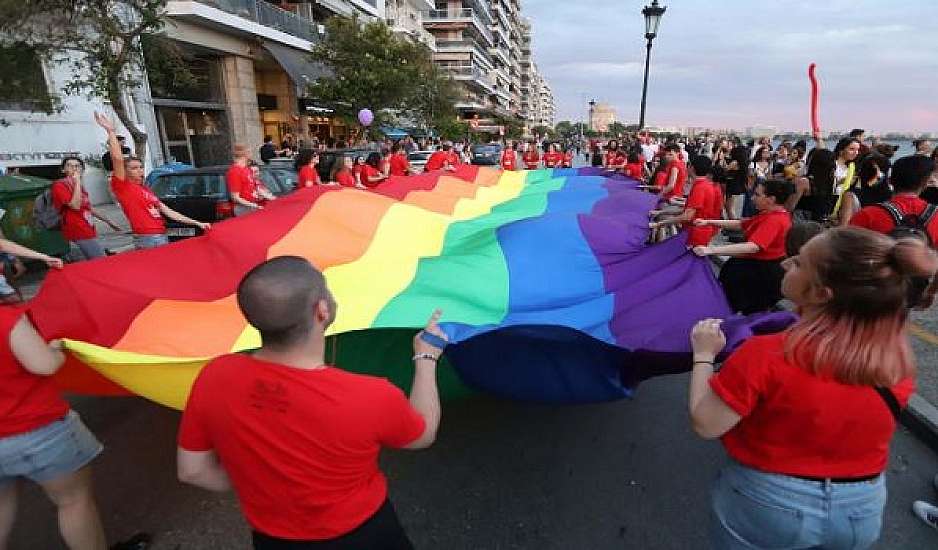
(652,15)
(592,109)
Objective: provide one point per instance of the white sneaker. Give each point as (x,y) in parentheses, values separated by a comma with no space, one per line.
(926,512)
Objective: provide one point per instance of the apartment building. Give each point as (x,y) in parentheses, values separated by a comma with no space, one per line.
(486,46)
(406,17)
(254,59)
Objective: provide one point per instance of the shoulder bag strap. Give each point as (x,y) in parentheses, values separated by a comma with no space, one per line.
(890,399)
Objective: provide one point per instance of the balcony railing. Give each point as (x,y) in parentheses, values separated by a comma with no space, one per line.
(466,45)
(464,15)
(265,13)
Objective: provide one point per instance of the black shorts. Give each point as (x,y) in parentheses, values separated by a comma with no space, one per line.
(751,285)
(382,531)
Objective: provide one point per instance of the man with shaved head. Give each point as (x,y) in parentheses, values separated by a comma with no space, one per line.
(297,439)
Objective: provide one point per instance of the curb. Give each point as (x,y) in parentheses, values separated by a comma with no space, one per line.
(919,416)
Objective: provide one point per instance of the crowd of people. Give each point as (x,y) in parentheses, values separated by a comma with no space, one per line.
(806,415)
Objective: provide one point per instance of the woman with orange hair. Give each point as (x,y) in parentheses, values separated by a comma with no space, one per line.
(806,415)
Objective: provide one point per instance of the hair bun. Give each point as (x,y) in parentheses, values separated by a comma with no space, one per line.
(913,258)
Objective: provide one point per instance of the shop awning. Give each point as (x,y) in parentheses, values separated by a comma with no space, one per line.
(394,132)
(299,65)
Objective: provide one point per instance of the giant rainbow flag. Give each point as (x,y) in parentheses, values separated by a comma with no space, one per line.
(548,288)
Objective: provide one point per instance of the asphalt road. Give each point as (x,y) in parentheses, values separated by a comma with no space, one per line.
(503,475)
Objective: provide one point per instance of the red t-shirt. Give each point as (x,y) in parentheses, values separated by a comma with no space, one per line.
(27,401)
(77,225)
(552,159)
(369,171)
(678,189)
(798,423)
(703,197)
(635,170)
(400,166)
(609,161)
(509,160)
(300,447)
(454,159)
(308,174)
(241,181)
(140,206)
(437,161)
(568,160)
(345,177)
(768,230)
(877,219)
(531,159)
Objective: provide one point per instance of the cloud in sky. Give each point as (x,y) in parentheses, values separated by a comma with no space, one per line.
(737,63)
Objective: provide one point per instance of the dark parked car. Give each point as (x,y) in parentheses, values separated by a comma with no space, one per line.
(202,194)
(327,159)
(485,155)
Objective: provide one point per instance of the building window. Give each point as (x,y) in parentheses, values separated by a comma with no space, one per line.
(23,85)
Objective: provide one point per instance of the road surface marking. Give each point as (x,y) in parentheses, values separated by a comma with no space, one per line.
(923,334)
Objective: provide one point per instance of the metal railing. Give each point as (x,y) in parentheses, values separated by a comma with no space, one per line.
(464,15)
(269,15)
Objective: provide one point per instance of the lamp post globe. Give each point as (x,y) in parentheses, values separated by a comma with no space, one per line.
(652,16)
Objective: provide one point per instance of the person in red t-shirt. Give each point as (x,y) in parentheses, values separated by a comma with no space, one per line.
(384,166)
(611,155)
(568,155)
(263,193)
(752,278)
(455,159)
(676,171)
(143,209)
(635,166)
(241,185)
(440,160)
(306,164)
(805,415)
(908,177)
(297,439)
(398,164)
(371,174)
(343,175)
(705,201)
(70,198)
(530,157)
(553,158)
(509,158)
(41,439)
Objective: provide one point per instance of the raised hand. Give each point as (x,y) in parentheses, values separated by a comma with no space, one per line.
(104,122)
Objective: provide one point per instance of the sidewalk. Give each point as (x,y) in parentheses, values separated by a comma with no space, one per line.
(115,242)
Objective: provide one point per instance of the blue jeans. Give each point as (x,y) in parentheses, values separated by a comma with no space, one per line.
(753,509)
(150,241)
(90,249)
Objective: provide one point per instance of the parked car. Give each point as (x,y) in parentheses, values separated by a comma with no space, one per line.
(418,160)
(202,194)
(488,154)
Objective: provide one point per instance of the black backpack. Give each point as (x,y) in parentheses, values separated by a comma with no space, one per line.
(910,225)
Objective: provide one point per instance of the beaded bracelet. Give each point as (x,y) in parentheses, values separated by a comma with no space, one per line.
(427,356)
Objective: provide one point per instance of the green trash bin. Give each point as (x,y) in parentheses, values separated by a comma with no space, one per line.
(17,195)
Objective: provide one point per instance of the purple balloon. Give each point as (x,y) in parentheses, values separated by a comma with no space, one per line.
(366,117)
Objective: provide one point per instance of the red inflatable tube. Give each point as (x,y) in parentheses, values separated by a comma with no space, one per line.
(815,122)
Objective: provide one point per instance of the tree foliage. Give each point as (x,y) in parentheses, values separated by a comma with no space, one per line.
(372,67)
(98,40)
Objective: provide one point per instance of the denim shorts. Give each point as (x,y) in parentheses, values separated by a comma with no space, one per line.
(150,241)
(49,452)
(753,509)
